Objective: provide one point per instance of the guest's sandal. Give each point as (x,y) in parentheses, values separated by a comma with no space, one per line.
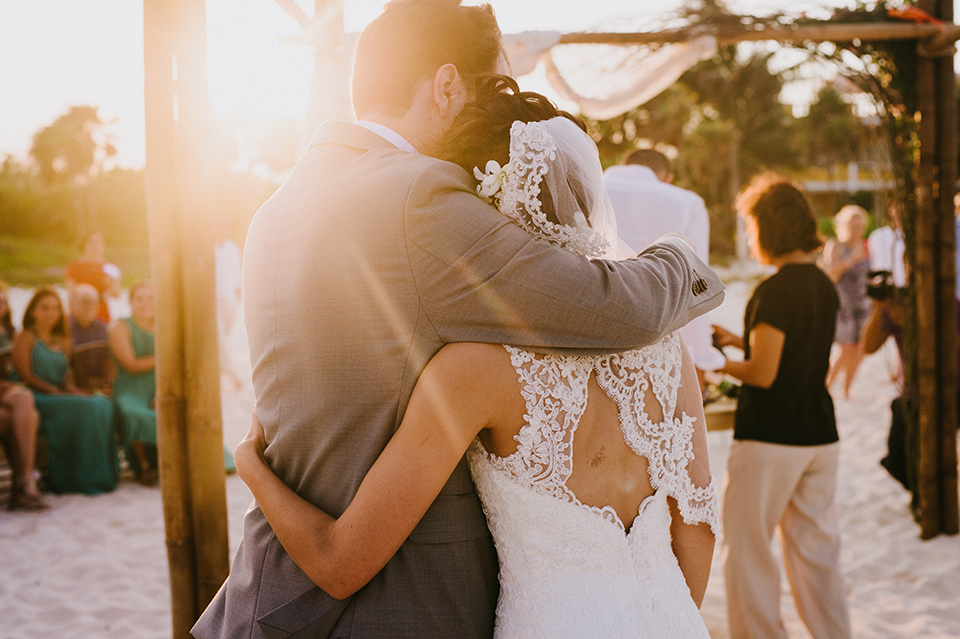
(22,500)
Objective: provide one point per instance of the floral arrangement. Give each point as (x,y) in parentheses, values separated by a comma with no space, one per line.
(491,181)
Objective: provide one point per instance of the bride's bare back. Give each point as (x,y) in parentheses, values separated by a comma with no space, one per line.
(606,472)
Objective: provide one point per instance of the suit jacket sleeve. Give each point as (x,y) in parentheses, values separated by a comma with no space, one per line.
(481,278)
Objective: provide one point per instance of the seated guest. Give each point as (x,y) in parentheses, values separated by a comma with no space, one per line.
(78,428)
(6,334)
(94,269)
(131,341)
(19,422)
(89,358)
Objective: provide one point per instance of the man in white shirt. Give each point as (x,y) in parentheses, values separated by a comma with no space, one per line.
(886,248)
(647,207)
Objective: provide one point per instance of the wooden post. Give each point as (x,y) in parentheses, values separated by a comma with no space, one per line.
(329,96)
(925,280)
(159,98)
(181,255)
(839,32)
(946,277)
(201,372)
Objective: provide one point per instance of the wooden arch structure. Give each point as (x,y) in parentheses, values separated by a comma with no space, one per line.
(179,193)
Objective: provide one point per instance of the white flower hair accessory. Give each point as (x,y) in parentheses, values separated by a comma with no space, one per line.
(491,181)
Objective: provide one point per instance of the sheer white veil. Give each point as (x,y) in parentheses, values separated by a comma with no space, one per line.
(556,156)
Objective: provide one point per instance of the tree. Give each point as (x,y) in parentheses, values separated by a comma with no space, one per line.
(70,152)
(661,121)
(725,121)
(73,148)
(831,133)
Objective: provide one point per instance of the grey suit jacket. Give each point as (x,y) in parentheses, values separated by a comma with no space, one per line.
(356,272)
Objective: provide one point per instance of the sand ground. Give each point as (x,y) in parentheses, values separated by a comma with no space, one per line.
(96,566)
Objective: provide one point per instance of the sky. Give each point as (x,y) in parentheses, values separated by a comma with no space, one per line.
(58,53)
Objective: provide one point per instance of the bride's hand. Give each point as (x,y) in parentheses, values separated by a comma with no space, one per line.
(249,452)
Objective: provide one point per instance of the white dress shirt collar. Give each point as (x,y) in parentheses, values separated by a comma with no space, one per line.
(387,134)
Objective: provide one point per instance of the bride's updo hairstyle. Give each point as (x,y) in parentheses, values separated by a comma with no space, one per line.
(481,132)
(782,214)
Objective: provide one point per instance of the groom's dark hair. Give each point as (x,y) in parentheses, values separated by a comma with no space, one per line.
(410,40)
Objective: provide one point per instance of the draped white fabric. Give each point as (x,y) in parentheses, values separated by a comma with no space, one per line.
(605,80)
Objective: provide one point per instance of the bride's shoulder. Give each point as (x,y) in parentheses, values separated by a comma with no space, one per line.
(480,359)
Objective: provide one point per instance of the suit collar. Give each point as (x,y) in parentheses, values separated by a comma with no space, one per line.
(343,133)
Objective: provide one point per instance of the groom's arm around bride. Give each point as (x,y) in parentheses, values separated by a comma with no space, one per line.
(357,271)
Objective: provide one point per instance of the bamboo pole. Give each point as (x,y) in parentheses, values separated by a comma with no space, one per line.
(864,32)
(181,248)
(201,372)
(329,96)
(925,278)
(946,297)
(159,98)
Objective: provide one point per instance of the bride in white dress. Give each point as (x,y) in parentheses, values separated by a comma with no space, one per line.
(592,471)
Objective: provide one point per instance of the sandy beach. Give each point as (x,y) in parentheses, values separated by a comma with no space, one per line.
(97,567)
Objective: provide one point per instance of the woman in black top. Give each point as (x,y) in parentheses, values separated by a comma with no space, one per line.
(782,469)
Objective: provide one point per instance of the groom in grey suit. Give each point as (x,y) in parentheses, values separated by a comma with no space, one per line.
(368,260)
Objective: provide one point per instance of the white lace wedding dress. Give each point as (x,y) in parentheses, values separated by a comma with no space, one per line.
(572,570)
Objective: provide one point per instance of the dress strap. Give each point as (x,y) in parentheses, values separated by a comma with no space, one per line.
(555,391)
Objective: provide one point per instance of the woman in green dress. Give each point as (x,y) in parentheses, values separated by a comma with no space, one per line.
(78,428)
(134,391)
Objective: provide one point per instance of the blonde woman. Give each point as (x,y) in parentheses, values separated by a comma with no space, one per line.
(846,262)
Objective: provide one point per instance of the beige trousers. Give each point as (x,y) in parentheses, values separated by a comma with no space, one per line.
(791,487)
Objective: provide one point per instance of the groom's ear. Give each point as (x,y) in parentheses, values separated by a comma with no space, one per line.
(449,92)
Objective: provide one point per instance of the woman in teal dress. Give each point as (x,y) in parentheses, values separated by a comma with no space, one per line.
(78,428)
(134,391)
(131,342)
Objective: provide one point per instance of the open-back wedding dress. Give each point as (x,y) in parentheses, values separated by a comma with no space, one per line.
(568,569)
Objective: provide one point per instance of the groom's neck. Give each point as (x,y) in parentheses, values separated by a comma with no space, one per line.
(413,130)
(419,125)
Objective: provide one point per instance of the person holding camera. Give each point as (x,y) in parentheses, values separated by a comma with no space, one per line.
(885,321)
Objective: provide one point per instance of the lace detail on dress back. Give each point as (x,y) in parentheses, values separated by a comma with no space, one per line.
(555,391)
